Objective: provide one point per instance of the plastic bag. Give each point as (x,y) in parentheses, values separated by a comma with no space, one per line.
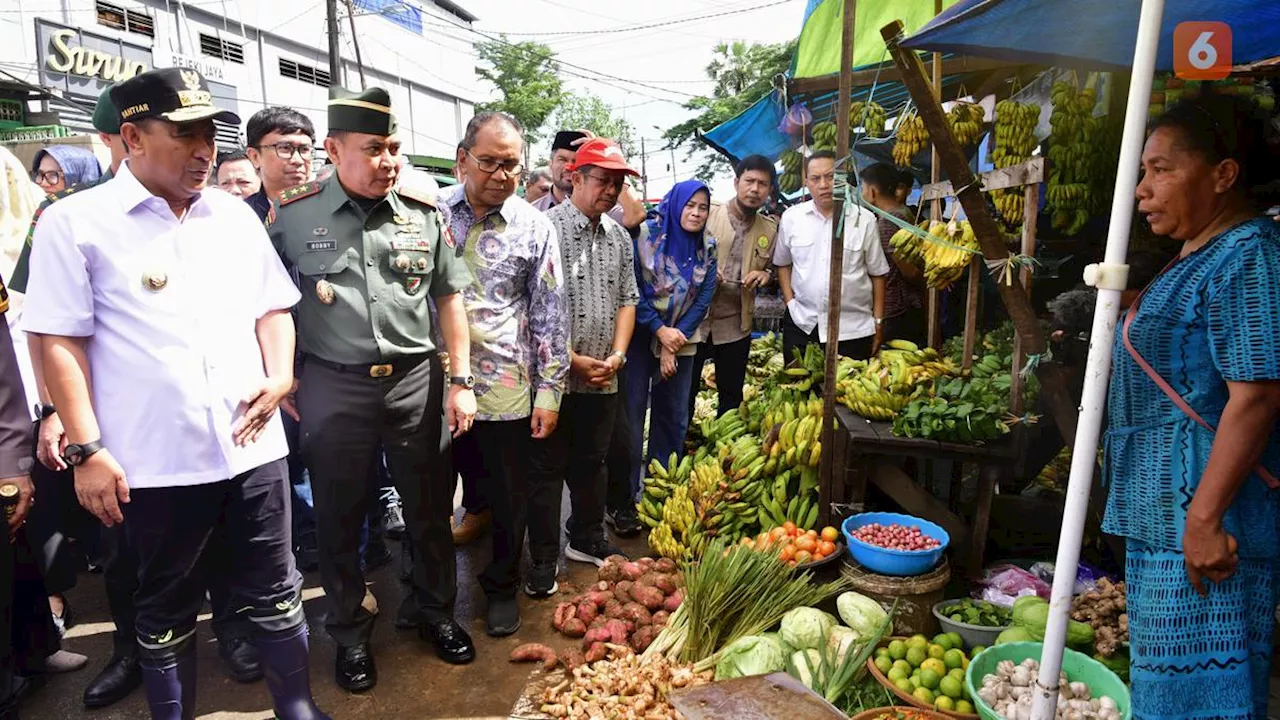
(795,120)
(1002,584)
(1087,576)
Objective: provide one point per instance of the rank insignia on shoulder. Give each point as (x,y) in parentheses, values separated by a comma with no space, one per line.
(414,193)
(297,192)
(271,216)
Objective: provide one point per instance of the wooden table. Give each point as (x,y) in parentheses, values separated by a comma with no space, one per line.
(867,450)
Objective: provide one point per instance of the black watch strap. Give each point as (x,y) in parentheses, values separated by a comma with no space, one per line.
(466,381)
(75,455)
(44,410)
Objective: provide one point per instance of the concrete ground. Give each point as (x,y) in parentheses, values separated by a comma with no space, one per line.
(412,682)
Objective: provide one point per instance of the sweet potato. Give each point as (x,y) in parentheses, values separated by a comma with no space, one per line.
(598,622)
(595,635)
(665,583)
(530,652)
(597,652)
(611,571)
(660,618)
(599,597)
(650,597)
(574,628)
(604,586)
(643,638)
(622,591)
(646,563)
(665,565)
(636,613)
(632,571)
(672,601)
(613,609)
(563,612)
(572,658)
(587,611)
(617,632)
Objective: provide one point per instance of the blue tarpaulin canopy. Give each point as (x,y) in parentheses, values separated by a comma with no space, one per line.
(1097,34)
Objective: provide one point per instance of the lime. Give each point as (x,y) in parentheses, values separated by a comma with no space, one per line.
(884,651)
(976,649)
(964,707)
(897,649)
(918,641)
(903,666)
(935,665)
(954,659)
(951,687)
(958,674)
(929,679)
(884,664)
(944,703)
(916,655)
(956,640)
(904,685)
(944,640)
(895,674)
(936,651)
(924,695)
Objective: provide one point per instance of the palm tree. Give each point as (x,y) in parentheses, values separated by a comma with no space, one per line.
(732,67)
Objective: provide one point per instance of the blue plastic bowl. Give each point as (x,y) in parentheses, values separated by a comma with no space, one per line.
(894,562)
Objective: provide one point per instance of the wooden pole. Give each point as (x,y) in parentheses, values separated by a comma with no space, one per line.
(1030,216)
(1013,295)
(934,334)
(835,275)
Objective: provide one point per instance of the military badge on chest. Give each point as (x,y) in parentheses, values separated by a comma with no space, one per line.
(325,292)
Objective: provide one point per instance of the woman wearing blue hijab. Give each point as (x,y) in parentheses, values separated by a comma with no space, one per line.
(676,274)
(59,167)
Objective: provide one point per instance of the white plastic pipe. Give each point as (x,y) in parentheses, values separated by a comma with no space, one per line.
(1098,368)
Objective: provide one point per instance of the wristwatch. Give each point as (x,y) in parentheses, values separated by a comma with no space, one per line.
(620,355)
(466,381)
(43,410)
(75,455)
(879,322)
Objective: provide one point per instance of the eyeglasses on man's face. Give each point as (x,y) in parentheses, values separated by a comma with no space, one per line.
(512,168)
(286,150)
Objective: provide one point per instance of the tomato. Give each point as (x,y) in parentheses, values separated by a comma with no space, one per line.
(829,533)
(778,533)
(818,555)
(788,552)
(788,526)
(803,557)
(812,533)
(746,541)
(794,532)
(826,547)
(806,543)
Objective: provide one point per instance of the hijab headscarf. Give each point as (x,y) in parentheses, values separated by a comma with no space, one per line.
(19,199)
(673,262)
(78,164)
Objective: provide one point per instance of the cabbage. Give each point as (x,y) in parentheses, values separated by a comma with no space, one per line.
(786,649)
(840,640)
(808,667)
(750,655)
(805,627)
(862,614)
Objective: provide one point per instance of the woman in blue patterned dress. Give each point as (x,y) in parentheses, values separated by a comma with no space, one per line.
(1201,523)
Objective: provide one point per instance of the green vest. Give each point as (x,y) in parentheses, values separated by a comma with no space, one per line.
(365,278)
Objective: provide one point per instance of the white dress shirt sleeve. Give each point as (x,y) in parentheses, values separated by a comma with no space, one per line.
(59,293)
(782,249)
(278,291)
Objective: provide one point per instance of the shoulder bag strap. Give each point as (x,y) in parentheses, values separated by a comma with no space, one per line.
(1172,394)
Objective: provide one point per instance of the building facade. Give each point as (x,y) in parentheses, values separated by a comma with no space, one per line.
(255,53)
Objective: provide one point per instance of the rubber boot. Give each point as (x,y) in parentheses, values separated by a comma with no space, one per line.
(169,677)
(286,664)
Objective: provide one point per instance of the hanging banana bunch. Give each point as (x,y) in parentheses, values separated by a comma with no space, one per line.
(911,138)
(824,136)
(1072,156)
(792,162)
(965,120)
(869,116)
(1015,140)
(947,252)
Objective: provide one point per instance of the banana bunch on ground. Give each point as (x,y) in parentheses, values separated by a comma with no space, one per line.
(869,116)
(726,428)
(908,246)
(792,164)
(764,359)
(824,136)
(911,138)
(965,120)
(667,508)
(1072,156)
(879,388)
(1054,475)
(990,365)
(792,495)
(947,252)
(1015,140)
(659,485)
(805,371)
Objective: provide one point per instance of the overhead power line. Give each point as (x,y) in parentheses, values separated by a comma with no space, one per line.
(650,26)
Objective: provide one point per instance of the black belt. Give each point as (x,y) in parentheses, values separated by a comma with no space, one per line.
(381,370)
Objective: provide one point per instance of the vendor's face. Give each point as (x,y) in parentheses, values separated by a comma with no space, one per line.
(694,216)
(49,175)
(173,161)
(1181,192)
(562,178)
(367,165)
(752,188)
(820,178)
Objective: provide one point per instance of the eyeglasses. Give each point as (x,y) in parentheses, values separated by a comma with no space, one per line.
(47,177)
(616,182)
(285,150)
(512,167)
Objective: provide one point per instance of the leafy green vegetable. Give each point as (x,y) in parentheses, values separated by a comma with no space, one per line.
(860,613)
(805,627)
(750,655)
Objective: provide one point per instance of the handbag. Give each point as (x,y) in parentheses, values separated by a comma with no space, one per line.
(1168,390)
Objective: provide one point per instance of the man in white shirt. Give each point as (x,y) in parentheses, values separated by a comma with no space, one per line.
(172,299)
(803,259)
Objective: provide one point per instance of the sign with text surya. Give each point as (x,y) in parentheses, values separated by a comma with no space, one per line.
(84,63)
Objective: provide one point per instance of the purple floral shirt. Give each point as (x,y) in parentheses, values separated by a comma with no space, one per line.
(516,306)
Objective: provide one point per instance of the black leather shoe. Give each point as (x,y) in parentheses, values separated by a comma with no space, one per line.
(239,659)
(452,643)
(117,680)
(354,669)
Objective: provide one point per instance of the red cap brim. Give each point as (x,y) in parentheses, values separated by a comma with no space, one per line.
(606,165)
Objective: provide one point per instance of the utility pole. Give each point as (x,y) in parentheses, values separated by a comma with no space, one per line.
(335,54)
(644,173)
(355,40)
(674,179)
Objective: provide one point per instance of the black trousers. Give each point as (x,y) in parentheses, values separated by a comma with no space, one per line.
(495,457)
(179,533)
(795,338)
(345,416)
(52,523)
(730,360)
(618,460)
(910,325)
(27,632)
(574,454)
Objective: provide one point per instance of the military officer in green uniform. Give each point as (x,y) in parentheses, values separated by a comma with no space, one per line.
(371,258)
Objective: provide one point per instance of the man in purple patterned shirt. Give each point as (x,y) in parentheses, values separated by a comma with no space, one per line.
(520,343)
